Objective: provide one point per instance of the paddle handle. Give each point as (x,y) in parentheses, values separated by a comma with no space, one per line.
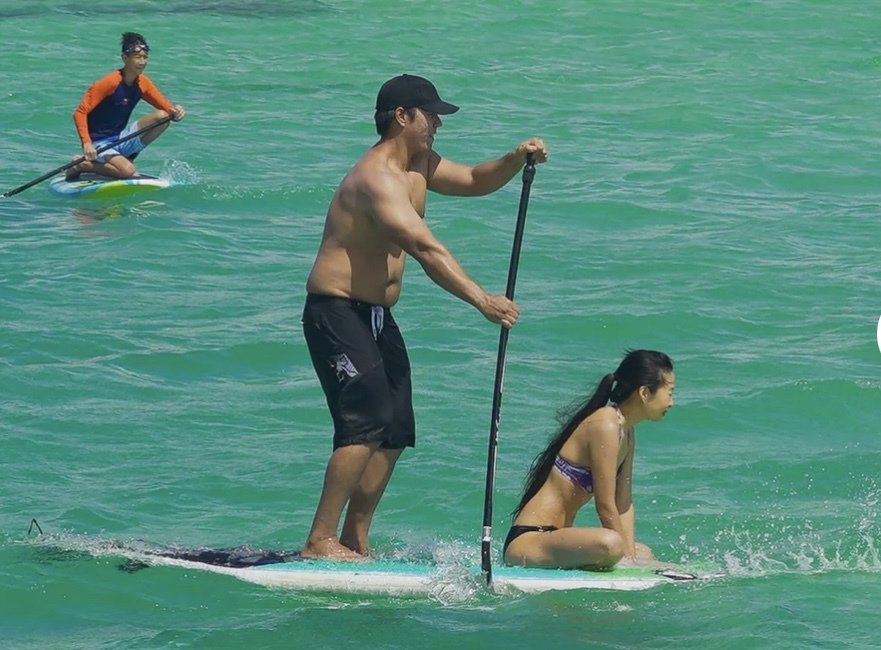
(77,161)
(486,539)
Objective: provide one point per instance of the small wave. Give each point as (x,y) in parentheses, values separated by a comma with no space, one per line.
(180,173)
(802,548)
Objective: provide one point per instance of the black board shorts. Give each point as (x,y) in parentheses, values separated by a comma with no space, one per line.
(359,356)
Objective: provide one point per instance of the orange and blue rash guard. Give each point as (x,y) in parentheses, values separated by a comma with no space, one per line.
(108,104)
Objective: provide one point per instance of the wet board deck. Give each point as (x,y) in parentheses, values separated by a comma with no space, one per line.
(100,187)
(401,577)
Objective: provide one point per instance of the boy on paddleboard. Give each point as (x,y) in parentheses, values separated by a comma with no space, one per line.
(102,116)
(374,221)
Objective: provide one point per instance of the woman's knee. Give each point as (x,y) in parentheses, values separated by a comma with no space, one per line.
(611,546)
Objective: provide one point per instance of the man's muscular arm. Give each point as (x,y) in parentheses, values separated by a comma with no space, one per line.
(387,200)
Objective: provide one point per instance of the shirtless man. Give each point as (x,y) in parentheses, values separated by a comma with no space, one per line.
(375,220)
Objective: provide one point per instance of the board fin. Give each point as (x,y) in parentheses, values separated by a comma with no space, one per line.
(674,574)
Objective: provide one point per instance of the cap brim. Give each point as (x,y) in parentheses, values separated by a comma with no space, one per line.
(440,107)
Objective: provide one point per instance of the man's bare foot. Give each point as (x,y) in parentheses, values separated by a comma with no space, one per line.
(361,548)
(329,548)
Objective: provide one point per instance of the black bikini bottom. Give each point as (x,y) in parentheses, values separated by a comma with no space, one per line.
(516,531)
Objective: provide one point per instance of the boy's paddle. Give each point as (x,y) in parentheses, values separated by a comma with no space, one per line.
(77,161)
(486,541)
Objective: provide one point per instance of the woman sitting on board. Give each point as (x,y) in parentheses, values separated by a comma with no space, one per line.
(591,457)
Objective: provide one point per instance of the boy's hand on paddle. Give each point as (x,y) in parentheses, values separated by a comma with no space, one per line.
(89,151)
(177,112)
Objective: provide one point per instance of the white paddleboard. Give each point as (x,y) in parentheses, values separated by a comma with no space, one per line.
(100,187)
(420,578)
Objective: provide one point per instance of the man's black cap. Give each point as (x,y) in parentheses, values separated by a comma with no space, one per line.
(410,91)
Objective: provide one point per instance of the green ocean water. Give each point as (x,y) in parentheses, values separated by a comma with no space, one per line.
(712,192)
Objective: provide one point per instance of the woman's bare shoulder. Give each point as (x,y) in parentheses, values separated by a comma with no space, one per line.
(602,422)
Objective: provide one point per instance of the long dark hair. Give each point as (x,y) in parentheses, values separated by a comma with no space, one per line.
(638,368)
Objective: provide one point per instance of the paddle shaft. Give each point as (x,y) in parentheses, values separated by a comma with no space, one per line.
(486,541)
(77,161)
